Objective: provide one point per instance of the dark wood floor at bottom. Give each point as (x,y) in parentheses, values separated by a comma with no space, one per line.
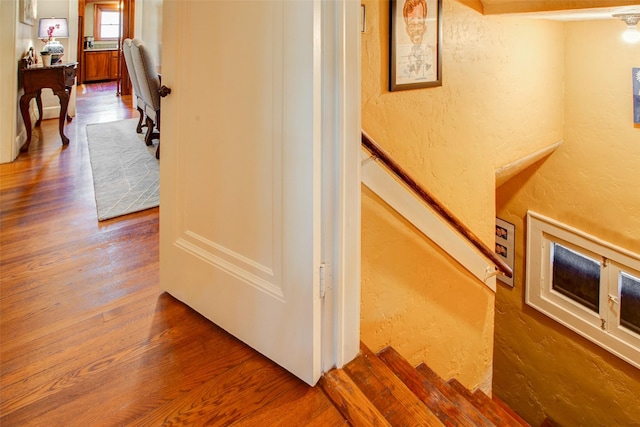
(87,337)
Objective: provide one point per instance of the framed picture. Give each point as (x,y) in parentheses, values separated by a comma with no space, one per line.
(506,246)
(416,44)
(28,11)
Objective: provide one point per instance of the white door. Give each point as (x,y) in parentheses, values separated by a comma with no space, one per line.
(241,216)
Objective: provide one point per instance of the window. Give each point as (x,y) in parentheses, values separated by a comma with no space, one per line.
(630,302)
(576,276)
(586,284)
(106,21)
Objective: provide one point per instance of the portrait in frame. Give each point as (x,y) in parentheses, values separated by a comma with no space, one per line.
(416,44)
(28,11)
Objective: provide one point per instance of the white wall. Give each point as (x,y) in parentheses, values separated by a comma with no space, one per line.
(89,10)
(8,107)
(15,37)
(148,26)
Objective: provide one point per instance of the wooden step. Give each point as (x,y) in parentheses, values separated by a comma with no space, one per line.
(350,401)
(428,379)
(447,411)
(399,405)
(385,390)
(548,422)
(472,412)
(487,406)
(508,409)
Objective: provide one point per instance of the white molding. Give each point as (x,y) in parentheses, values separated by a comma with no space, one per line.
(376,178)
(21,138)
(341,182)
(610,250)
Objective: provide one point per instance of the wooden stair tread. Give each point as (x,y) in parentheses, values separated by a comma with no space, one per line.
(390,395)
(439,404)
(385,390)
(507,415)
(350,401)
(487,406)
(426,377)
(508,409)
(379,394)
(548,422)
(470,410)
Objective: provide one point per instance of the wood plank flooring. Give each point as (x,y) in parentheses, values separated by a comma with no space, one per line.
(87,337)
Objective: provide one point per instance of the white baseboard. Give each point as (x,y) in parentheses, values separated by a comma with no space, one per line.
(52,112)
(20,140)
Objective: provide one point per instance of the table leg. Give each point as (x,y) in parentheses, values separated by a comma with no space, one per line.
(39,103)
(24,109)
(64,103)
(69,89)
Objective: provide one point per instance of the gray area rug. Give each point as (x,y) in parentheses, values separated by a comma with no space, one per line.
(126,174)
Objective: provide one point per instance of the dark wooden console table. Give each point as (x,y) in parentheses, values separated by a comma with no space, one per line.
(58,77)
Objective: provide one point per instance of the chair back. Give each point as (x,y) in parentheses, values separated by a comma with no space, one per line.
(128,59)
(147,74)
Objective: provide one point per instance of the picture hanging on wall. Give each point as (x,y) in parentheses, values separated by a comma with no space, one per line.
(506,246)
(636,96)
(416,44)
(28,11)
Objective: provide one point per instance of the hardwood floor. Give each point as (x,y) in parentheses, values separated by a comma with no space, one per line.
(87,337)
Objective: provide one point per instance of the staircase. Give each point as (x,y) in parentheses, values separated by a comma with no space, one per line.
(385,390)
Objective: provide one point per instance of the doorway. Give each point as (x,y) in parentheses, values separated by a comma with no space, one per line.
(102,26)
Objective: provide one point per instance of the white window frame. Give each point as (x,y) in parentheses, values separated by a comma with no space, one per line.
(602,328)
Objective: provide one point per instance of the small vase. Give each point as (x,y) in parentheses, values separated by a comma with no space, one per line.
(46,60)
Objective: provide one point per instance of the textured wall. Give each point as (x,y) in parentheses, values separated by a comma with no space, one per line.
(502,90)
(591,183)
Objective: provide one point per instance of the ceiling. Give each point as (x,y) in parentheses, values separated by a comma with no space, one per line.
(564,10)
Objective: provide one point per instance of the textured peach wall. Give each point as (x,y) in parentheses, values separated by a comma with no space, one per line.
(501,94)
(418,300)
(591,183)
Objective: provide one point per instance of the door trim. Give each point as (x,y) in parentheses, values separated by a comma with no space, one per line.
(341,182)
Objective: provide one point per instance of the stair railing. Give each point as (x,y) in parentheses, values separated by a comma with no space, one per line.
(379,154)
